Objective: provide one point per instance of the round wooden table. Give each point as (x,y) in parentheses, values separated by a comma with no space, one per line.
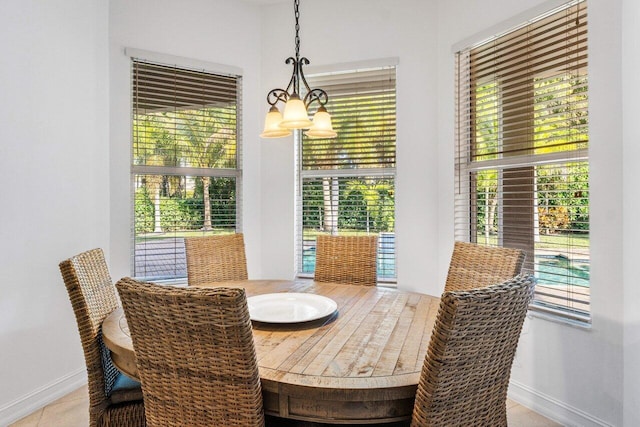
(359,367)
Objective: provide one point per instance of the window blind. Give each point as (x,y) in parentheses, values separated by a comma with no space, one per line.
(184,117)
(522,170)
(347,184)
(185,163)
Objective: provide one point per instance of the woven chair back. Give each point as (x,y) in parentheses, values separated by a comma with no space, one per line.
(93,297)
(346,259)
(215,258)
(474,265)
(195,354)
(466,371)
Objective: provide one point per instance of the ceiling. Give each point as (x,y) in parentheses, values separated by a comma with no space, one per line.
(265,2)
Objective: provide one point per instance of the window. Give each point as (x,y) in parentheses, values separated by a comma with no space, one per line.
(185,163)
(347,184)
(522,170)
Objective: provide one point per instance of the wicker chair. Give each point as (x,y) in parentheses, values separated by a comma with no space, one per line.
(475,265)
(215,258)
(195,354)
(465,375)
(93,297)
(346,259)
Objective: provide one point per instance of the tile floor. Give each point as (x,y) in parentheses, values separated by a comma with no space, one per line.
(71,411)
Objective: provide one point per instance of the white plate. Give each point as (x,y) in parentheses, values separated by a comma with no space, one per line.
(290,307)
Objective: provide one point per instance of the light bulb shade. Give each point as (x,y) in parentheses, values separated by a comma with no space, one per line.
(272,127)
(321,125)
(295,114)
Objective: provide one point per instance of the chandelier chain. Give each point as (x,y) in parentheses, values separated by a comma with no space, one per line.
(296,7)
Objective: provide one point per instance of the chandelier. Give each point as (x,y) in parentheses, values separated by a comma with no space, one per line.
(296,115)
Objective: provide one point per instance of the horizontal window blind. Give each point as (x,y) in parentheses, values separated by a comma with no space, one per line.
(185,165)
(184,117)
(158,87)
(352,205)
(347,184)
(363,111)
(169,208)
(522,170)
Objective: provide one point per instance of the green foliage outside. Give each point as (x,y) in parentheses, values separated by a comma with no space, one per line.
(199,139)
(143,212)
(561,125)
(179,213)
(365,205)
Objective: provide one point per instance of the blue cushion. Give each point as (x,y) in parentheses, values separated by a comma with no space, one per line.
(124,382)
(113,379)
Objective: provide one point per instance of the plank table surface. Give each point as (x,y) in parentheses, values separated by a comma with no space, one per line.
(360,366)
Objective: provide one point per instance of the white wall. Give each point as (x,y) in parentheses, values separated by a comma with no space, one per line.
(224,32)
(571,374)
(54,171)
(277,173)
(631,206)
(335,32)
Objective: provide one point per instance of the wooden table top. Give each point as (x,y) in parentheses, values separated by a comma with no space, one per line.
(362,366)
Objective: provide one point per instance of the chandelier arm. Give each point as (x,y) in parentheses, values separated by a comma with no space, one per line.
(277,95)
(294,84)
(303,61)
(316,95)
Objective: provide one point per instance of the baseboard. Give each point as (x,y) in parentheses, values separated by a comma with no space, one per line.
(41,397)
(552,408)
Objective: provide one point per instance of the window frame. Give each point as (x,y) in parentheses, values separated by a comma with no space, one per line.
(303,174)
(136,170)
(466,164)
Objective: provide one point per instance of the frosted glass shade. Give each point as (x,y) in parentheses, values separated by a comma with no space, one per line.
(322,127)
(295,114)
(272,127)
